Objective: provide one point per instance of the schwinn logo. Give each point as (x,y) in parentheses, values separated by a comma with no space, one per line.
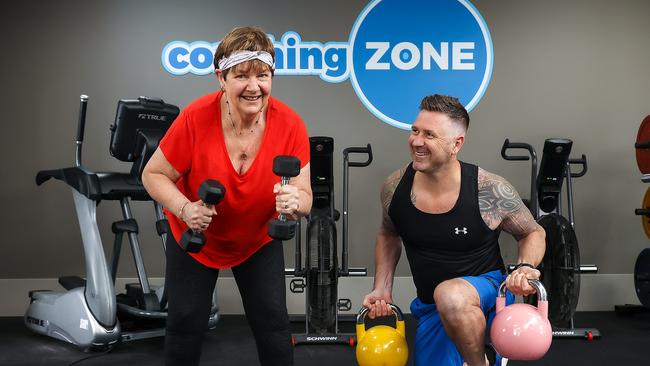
(321,338)
(154,117)
(441,46)
(563,332)
(463,230)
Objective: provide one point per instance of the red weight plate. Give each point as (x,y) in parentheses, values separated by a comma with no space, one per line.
(643,146)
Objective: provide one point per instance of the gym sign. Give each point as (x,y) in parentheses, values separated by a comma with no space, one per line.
(397,53)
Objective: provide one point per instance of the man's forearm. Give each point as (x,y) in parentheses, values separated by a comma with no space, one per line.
(387,253)
(532,248)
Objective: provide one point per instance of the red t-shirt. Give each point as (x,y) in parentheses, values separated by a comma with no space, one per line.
(194,145)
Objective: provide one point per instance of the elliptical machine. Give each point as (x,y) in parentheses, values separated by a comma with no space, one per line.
(561,266)
(86,315)
(319,279)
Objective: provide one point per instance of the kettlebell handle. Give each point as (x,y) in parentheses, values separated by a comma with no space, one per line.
(361,316)
(400,326)
(539,288)
(542,298)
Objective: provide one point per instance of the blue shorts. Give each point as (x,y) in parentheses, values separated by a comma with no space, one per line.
(432,345)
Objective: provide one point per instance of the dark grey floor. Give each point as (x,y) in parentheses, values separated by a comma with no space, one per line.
(625,341)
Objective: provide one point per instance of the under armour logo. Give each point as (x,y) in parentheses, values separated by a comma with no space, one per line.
(463,230)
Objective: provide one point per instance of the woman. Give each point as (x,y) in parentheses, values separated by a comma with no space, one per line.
(231,136)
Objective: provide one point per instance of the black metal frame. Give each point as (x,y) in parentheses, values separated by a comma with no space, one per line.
(546,186)
(320,275)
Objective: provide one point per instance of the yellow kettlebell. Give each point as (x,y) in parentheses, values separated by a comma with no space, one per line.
(382,345)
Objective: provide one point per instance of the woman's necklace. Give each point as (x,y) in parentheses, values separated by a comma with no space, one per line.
(243,155)
(232,122)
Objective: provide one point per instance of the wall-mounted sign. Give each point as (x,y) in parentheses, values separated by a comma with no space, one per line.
(397,53)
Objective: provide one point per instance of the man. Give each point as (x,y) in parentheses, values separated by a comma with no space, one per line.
(449,215)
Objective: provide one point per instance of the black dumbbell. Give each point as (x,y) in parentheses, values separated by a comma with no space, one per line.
(211,192)
(285,167)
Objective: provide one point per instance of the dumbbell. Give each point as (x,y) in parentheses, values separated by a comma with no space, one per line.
(211,192)
(285,167)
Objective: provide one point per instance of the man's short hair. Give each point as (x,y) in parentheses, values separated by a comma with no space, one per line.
(447,105)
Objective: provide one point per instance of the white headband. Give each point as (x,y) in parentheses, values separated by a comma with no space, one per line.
(238,57)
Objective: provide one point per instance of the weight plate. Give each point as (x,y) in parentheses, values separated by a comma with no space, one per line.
(643,153)
(560,269)
(642,277)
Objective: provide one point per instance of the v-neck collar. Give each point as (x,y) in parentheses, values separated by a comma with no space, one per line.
(224,148)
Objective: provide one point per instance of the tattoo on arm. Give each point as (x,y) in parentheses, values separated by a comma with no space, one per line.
(387,191)
(501,206)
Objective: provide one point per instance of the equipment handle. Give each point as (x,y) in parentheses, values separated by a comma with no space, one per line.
(358,150)
(145,99)
(345,267)
(356,272)
(516,145)
(83,105)
(533,168)
(583,162)
(642,145)
(81,125)
(642,211)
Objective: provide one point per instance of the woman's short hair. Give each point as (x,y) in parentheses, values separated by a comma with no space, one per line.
(244,39)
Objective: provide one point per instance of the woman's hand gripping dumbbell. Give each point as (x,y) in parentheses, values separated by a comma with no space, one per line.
(285,167)
(198,215)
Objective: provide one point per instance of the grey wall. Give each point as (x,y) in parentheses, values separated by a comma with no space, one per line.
(575,69)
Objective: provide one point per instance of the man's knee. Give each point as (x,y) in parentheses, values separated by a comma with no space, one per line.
(454,297)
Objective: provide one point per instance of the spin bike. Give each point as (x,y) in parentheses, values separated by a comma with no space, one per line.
(319,278)
(561,266)
(87,313)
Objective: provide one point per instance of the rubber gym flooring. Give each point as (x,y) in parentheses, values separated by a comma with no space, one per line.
(625,341)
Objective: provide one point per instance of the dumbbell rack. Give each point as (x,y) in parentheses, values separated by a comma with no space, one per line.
(642,265)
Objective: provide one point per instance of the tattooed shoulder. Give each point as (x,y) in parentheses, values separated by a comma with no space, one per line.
(389,186)
(387,191)
(497,198)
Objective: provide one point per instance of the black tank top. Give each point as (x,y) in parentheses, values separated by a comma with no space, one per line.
(448,245)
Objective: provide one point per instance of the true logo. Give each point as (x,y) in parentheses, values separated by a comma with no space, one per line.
(152,117)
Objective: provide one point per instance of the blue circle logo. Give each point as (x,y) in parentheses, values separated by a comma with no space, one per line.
(402,51)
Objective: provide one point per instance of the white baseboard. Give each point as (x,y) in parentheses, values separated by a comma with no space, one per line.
(598,292)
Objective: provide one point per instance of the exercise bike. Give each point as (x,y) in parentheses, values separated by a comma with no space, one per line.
(561,266)
(87,313)
(319,278)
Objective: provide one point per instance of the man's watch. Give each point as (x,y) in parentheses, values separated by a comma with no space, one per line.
(523,265)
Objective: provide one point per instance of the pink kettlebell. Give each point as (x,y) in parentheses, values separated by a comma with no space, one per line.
(522,331)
